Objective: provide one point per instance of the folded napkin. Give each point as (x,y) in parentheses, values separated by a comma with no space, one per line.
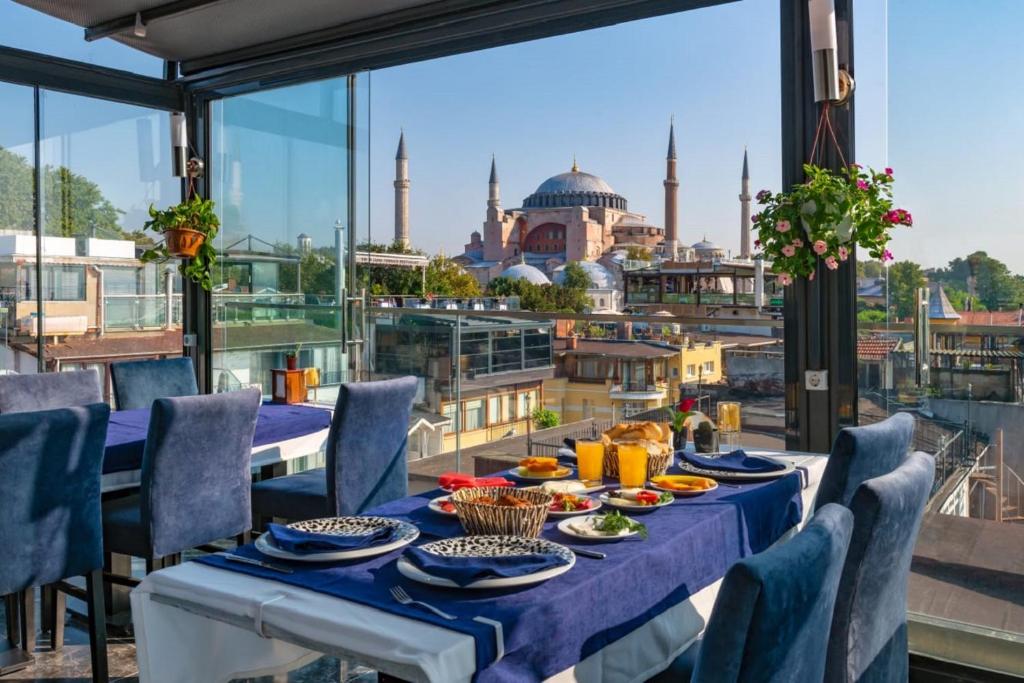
(308,542)
(465,570)
(737,461)
(453,481)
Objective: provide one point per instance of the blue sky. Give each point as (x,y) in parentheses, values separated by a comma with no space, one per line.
(606,96)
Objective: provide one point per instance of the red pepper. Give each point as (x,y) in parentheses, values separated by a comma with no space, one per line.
(646,497)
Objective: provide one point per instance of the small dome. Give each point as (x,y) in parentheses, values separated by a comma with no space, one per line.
(601,277)
(523,271)
(705,245)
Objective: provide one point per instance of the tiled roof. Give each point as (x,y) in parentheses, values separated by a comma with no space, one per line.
(113,345)
(876,348)
(1007,318)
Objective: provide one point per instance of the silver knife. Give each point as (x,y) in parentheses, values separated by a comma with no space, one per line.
(255,563)
(593,554)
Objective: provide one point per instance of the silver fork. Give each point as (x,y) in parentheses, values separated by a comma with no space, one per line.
(400,596)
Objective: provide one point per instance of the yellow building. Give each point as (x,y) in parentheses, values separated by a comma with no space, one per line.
(608,379)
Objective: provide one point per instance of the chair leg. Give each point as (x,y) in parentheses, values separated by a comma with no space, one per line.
(45,608)
(27,610)
(58,608)
(11,614)
(97,625)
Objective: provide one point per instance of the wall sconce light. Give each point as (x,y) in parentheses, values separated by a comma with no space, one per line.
(831,84)
(140,28)
(181,165)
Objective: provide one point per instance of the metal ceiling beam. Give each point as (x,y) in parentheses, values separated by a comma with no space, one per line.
(53,73)
(439,29)
(127,22)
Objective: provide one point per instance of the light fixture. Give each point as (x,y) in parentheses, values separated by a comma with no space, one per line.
(824,49)
(140,28)
(179,145)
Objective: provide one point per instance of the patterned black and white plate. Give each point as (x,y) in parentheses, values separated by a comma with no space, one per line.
(490,546)
(721,475)
(343,526)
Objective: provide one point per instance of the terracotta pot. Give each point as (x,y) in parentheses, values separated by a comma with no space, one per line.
(183,242)
(292,362)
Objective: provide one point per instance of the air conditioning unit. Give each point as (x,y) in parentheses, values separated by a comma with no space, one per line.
(705,327)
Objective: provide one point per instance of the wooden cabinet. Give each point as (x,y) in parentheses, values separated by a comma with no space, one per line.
(288,386)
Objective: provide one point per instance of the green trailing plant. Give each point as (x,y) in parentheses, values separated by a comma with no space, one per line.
(196,214)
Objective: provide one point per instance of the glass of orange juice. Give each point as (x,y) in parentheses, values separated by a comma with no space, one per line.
(729,422)
(632,465)
(590,460)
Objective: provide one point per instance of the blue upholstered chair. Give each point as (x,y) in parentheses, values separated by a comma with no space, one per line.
(50,523)
(48,390)
(868,640)
(862,453)
(196,478)
(366,464)
(138,383)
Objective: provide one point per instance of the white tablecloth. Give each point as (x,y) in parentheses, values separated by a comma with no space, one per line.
(196,623)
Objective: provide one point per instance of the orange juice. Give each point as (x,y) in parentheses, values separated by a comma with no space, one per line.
(590,460)
(632,465)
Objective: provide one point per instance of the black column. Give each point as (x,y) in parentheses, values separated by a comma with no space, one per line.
(820,315)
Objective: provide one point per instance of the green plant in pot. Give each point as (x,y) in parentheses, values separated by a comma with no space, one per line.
(292,357)
(188,230)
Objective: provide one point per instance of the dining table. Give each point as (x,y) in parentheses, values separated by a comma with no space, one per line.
(283,432)
(621,618)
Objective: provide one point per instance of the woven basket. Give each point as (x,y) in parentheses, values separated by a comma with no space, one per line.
(481,519)
(657,465)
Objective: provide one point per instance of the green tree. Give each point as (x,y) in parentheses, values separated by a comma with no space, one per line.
(996,286)
(871,315)
(576,277)
(869,269)
(638,253)
(444,277)
(545,419)
(905,278)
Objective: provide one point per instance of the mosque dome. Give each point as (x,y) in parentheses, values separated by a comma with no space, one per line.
(524,271)
(574,188)
(601,277)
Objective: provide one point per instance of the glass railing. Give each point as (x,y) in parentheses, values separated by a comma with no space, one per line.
(141,311)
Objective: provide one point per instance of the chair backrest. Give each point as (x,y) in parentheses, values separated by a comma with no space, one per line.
(862,453)
(49,390)
(868,640)
(51,524)
(138,383)
(771,619)
(366,447)
(196,471)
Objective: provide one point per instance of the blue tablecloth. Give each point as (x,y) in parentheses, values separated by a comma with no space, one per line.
(552,626)
(126,435)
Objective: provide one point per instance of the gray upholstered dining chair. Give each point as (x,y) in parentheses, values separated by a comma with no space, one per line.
(140,382)
(48,390)
(196,478)
(862,453)
(868,640)
(771,618)
(50,529)
(366,450)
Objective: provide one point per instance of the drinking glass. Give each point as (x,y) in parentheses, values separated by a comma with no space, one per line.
(632,465)
(729,422)
(590,460)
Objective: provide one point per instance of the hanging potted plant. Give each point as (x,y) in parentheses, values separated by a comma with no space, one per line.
(824,218)
(188,230)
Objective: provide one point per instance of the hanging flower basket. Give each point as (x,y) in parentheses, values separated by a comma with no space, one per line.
(824,218)
(187,230)
(183,242)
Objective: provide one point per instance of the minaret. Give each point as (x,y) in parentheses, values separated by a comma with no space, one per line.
(745,209)
(494,192)
(402,193)
(671,196)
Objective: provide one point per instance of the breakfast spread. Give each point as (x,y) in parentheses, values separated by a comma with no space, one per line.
(611,525)
(638,497)
(504,500)
(453,481)
(683,483)
(568,502)
(539,465)
(563,486)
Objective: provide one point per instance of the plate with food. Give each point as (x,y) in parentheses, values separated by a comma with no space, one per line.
(443,505)
(611,526)
(569,486)
(684,484)
(637,500)
(571,504)
(537,467)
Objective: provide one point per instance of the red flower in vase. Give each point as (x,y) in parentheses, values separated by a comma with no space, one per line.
(686,405)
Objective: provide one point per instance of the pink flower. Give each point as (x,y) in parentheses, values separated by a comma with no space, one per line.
(887,255)
(785,279)
(782,226)
(820,247)
(810,278)
(844,253)
(798,243)
(763,195)
(888,171)
(788,250)
(862,185)
(831,263)
(756,217)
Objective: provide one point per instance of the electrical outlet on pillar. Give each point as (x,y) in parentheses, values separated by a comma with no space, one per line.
(816,380)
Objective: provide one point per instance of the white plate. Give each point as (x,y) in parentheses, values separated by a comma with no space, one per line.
(685,494)
(407,533)
(595,504)
(608,500)
(435,505)
(522,473)
(565,524)
(687,468)
(471,546)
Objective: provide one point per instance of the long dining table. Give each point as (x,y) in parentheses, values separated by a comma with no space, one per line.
(198,621)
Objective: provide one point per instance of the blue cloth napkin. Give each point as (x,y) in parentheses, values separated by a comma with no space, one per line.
(308,542)
(737,461)
(466,570)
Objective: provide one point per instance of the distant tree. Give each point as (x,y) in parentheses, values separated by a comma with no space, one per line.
(541,298)
(445,277)
(576,277)
(905,278)
(871,315)
(638,253)
(996,286)
(545,419)
(869,269)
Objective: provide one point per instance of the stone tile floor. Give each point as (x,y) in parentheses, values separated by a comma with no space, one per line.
(71,664)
